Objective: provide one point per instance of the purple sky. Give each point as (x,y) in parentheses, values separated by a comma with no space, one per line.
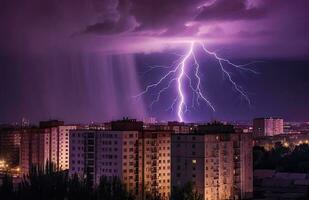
(78,60)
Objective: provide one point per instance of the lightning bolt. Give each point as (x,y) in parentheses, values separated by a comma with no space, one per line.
(178,73)
(179,81)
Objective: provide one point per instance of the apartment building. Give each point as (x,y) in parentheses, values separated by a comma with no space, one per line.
(97,153)
(216,160)
(49,142)
(155,162)
(140,158)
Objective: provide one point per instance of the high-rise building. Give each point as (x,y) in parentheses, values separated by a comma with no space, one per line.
(58,140)
(216,160)
(140,158)
(267,126)
(97,153)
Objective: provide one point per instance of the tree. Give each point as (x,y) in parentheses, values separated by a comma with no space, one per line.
(112,189)
(78,189)
(153,195)
(7,189)
(186,192)
(44,183)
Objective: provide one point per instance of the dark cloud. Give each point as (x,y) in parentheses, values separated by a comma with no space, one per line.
(236,10)
(107,26)
(112,27)
(169,18)
(38,25)
(139,16)
(173,15)
(162,13)
(113,17)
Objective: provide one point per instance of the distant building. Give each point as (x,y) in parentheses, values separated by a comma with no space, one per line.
(267,126)
(150,120)
(51,123)
(127,124)
(179,127)
(25,122)
(216,160)
(287,140)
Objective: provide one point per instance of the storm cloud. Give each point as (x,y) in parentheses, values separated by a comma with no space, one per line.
(38,25)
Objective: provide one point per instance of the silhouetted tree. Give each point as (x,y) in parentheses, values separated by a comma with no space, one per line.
(112,189)
(78,189)
(186,192)
(49,184)
(283,159)
(44,183)
(7,189)
(153,195)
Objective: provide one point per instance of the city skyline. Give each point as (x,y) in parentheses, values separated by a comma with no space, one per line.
(212,160)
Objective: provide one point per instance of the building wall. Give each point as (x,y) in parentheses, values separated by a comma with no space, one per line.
(77,153)
(278,126)
(105,153)
(32,149)
(63,146)
(10,146)
(155,161)
(129,171)
(217,164)
(58,148)
(246,159)
(188,157)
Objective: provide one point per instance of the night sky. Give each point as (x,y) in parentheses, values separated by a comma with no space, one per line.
(85,60)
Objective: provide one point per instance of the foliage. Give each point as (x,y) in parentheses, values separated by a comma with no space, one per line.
(283,159)
(49,184)
(186,192)
(6,189)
